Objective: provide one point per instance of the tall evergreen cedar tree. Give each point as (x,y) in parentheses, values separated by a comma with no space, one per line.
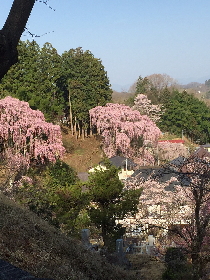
(184,112)
(110,202)
(34,79)
(85,85)
(144,86)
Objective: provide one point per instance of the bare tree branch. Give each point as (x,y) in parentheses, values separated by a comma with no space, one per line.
(11,32)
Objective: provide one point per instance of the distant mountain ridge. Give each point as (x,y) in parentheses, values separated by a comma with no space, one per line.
(182,81)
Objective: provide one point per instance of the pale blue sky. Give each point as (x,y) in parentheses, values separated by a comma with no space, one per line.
(131,37)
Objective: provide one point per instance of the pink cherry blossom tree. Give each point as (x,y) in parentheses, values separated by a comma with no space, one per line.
(158,199)
(125,131)
(168,151)
(25,136)
(183,199)
(145,107)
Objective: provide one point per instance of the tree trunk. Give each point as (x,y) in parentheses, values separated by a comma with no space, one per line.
(70,115)
(79,130)
(104,236)
(198,241)
(83,133)
(11,33)
(197,266)
(86,132)
(75,127)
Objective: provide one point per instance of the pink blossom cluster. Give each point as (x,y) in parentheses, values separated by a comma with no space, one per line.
(168,151)
(145,107)
(158,205)
(147,157)
(25,136)
(121,128)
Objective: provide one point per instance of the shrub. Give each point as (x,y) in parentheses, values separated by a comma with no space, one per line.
(177,266)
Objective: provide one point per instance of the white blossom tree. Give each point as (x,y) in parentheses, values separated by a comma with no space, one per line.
(145,107)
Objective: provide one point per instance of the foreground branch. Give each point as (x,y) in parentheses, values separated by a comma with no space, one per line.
(11,32)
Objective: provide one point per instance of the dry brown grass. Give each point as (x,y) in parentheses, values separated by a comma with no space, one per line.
(146,267)
(31,244)
(121,97)
(83,153)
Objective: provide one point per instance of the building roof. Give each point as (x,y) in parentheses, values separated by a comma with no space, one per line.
(201,153)
(164,174)
(145,172)
(178,162)
(172,141)
(206,146)
(120,161)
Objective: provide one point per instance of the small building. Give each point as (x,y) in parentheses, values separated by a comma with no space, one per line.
(202,152)
(206,147)
(126,166)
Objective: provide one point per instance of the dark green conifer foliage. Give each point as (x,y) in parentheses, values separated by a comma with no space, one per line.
(84,83)
(145,86)
(110,202)
(34,79)
(186,114)
(50,82)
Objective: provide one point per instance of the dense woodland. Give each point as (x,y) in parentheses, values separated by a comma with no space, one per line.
(67,86)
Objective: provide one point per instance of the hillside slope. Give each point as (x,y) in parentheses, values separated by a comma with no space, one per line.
(31,244)
(82,154)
